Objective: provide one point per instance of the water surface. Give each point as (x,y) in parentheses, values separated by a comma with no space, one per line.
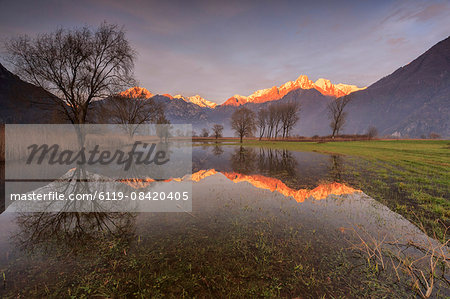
(264,222)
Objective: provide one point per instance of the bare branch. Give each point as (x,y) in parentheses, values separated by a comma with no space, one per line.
(78,65)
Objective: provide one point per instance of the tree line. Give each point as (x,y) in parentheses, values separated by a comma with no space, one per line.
(275,121)
(279,119)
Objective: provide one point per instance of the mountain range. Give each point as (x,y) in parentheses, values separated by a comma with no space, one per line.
(274,93)
(142,93)
(413,101)
(202,113)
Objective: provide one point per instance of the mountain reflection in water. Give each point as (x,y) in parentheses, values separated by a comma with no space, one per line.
(297,170)
(275,170)
(238,228)
(259,181)
(262,182)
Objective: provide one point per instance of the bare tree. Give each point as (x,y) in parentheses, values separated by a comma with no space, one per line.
(78,65)
(372,132)
(337,114)
(288,116)
(205,132)
(262,122)
(273,121)
(217,131)
(277,118)
(162,125)
(243,122)
(129,112)
(434,135)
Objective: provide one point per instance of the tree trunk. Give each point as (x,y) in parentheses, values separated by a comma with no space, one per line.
(334,132)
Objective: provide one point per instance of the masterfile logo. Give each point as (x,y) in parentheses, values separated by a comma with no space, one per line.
(86,168)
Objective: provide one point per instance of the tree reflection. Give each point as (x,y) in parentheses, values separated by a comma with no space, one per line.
(277,162)
(41,229)
(336,168)
(205,145)
(139,171)
(73,223)
(217,150)
(274,163)
(243,160)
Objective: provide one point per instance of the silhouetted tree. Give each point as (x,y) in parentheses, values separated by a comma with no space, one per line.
(337,114)
(434,136)
(372,132)
(262,122)
(276,111)
(129,112)
(273,121)
(79,65)
(205,132)
(162,125)
(243,122)
(217,131)
(278,119)
(288,116)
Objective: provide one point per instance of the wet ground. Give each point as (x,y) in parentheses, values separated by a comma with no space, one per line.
(264,223)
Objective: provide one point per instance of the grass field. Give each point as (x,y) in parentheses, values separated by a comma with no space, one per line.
(411,177)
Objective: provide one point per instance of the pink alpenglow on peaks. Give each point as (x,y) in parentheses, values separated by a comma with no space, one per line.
(137,93)
(324,86)
(142,93)
(198,100)
(337,90)
(274,93)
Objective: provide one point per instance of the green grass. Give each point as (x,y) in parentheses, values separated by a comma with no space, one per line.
(411,177)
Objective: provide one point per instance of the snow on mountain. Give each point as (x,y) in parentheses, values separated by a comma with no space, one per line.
(324,86)
(337,90)
(142,93)
(198,100)
(137,93)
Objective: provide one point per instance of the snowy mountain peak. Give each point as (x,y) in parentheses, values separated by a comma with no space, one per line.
(324,86)
(201,101)
(197,100)
(137,93)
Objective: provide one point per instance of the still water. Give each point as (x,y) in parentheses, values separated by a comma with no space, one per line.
(264,223)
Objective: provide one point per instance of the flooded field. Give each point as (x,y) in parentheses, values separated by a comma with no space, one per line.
(264,223)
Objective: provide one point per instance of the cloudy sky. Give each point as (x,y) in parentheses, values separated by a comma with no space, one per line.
(221,48)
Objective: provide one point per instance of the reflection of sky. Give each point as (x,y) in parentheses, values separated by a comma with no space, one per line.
(295,169)
(219,48)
